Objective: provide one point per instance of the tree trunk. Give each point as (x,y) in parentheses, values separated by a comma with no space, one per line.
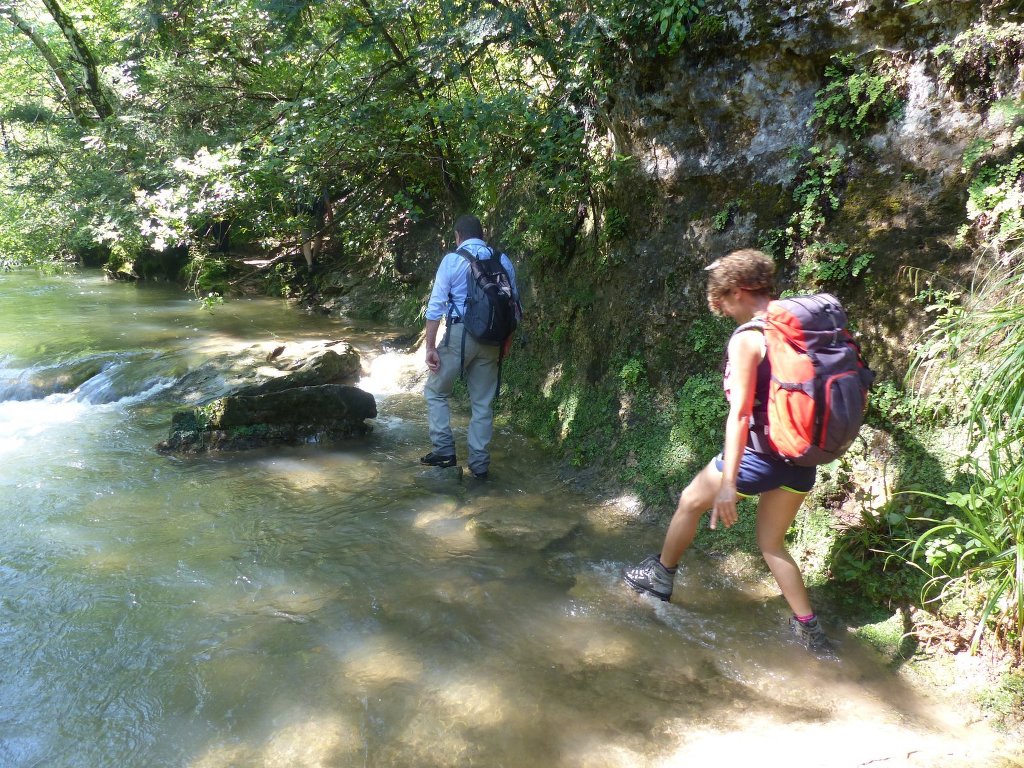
(82,54)
(67,83)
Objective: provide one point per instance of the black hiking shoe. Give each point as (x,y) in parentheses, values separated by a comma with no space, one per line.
(481,475)
(436,460)
(650,576)
(810,635)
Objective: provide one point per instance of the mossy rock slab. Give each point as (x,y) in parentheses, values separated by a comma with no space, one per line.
(338,363)
(270,366)
(324,413)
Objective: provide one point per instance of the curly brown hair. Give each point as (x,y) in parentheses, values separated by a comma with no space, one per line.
(747,268)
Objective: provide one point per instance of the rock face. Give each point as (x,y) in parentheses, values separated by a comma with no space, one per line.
(306,402)
(726,130)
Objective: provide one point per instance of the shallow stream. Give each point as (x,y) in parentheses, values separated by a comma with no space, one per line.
(339,606)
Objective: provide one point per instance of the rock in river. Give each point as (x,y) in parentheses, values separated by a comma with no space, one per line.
(302,404)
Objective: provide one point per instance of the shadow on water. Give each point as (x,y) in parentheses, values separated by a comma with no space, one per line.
(343,606)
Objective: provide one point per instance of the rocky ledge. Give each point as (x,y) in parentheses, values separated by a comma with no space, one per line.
(307,397)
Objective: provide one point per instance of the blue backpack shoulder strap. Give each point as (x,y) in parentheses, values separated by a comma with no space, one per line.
(758,323)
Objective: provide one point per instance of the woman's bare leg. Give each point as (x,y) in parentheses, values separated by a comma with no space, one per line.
(694,501)
(776,511)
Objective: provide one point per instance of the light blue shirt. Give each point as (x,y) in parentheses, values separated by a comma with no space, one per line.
(452,279)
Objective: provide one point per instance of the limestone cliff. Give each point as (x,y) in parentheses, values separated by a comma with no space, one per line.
(722,136)
(836,135)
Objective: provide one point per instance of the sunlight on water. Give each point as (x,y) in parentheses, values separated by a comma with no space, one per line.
(21,421)
(343,606)
(393,372)
(378,662)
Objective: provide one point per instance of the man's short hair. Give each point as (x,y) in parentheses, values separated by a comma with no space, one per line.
(469,226)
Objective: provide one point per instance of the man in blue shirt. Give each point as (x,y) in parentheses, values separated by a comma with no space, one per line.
(479,361)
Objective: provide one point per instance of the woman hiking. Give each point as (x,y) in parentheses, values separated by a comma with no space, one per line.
(740,285)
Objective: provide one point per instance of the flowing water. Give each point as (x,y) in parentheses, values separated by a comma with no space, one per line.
(338,606)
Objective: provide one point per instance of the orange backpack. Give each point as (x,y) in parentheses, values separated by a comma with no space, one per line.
(819,386)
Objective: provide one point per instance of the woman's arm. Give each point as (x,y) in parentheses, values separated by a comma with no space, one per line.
(744,357)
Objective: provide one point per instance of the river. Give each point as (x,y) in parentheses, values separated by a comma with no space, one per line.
(339,606)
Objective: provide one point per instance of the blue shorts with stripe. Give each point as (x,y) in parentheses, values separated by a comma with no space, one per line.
(760,472)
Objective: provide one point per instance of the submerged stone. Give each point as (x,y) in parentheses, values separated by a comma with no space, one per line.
(528,526)
(37,383)
(438,477)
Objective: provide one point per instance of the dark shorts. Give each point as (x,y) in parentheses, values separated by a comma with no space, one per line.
(760,472)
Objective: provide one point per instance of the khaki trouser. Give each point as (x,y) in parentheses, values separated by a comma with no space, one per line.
(481,367)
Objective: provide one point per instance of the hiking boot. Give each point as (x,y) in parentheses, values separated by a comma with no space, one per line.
(481,475)
(810,635)
(650,576)
(436,460)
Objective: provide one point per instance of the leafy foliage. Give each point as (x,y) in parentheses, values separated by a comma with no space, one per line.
(242,111)
(816,196)
(701,412)
(998,401)
(977,553)
(855,100)
(972,63)
(724,217)
(976,336)
(995,202)
(832,263)
(673,19)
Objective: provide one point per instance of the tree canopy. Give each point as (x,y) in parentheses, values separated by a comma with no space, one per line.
(132,126)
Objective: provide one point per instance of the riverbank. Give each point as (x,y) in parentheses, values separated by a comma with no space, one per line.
(840,538)
(982,721)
